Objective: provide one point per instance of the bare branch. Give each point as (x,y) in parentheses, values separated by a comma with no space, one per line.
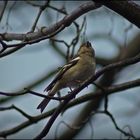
(115,123)
(45,96)
(129,129)
(62,11)
(126,8)
(117,127)
(72,95)
(8,16)
(109,90)
(22,112)
(85,84)
(41,9)
(12,94)
(3,9)
(25,124)
(87,97)
(33,93)
(60,41)
(44,32)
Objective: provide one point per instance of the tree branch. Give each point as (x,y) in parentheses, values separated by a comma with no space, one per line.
(85,84)
(41,9)
(44,32)
(110,90)
(33,93)
(126,8)
(87,97)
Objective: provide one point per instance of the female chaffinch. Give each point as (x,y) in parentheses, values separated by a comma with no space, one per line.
(73,73)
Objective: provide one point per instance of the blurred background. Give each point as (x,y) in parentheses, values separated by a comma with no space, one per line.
(113,38)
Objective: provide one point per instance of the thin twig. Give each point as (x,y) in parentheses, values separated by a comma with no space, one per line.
(8,16)
(41,9)
(3,9)
(22,112)
(18,110)
(77,101)
(45,96)
(34,93)
(66,21)
(117,127)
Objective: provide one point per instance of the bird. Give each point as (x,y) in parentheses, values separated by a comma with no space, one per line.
(72,74)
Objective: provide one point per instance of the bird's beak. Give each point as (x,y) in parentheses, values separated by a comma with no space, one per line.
(88,44)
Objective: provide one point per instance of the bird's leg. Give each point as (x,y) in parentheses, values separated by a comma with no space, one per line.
(69,92)
(70,89)
(59,95)
(79,83)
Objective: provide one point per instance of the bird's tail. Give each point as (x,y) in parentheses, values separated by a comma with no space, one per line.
(45,101)
(43,104)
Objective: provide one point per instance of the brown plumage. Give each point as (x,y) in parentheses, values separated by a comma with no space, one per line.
(78,69)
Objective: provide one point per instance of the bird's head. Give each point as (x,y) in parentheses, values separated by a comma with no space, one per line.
(86,48)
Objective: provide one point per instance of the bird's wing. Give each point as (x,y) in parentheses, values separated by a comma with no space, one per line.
(61,72)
